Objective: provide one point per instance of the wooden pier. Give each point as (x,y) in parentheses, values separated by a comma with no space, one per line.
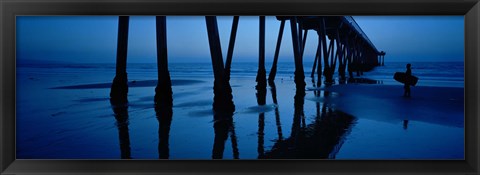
(348,46)
(342,46)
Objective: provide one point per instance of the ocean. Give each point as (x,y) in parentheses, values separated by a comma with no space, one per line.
(444,74)
(63,112)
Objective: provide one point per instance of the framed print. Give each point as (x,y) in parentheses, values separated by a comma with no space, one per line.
(278,87)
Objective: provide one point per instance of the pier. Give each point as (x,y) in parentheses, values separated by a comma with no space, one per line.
(342,47)
(348,46)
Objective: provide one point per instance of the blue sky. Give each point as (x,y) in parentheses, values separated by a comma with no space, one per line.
(93,39)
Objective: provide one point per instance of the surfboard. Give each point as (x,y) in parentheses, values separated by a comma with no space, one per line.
(403,78)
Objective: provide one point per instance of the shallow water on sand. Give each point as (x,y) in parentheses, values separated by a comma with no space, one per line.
(65,113)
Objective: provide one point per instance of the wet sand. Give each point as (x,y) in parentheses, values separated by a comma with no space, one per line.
(436,105)
(63,116)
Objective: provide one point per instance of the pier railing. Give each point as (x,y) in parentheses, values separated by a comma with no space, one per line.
(359,30)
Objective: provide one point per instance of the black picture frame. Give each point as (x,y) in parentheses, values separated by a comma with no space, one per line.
(11,8)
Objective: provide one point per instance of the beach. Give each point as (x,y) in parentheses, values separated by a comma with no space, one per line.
(64,112)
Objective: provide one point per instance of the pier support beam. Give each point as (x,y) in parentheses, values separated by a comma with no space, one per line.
(163,91)
(352,61)
(299,73)
(356,59)
(319,58)
(312,75)
(327,66)
(343,60)
(261,73)
(273,70)
(222,100)
(383,58)
(261,87)
(379,60)
(119,89)
(304,41)
(231,45)
(348,57)
(340,55)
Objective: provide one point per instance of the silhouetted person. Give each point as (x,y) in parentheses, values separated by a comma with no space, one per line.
(407,83)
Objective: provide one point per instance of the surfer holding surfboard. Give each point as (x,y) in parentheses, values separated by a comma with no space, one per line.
(407,79)
(407,84)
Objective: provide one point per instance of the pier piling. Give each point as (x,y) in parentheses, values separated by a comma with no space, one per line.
(273,70)
(231,45)
(163,91)
(221,87)
(299,77)
(119,89)
(261,73)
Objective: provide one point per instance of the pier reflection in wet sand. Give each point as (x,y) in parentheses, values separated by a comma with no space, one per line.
(321,139)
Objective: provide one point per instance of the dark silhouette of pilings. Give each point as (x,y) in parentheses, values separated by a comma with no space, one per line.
(231,45)
(381,58)
(299,77)
(345,59)
(351,55)
(119,89)
(273,70)
(261,73)
(326,51)
(228,63)
(164,116)
(221,87)
(319,59)
(340,54)
(121,116)
(163,91)
(354,51)
(261,95)
(312,75)
(223,106)
(303,40)
(261,87)
(348,49)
